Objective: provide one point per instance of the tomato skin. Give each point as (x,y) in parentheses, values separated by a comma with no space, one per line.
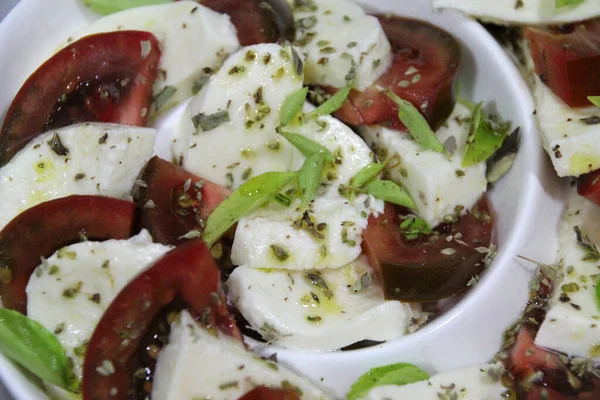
(266,393)
(433,52)
(188,273)
(416,270)
(566,59)
(169,219)
(588,186)
(45,228)
(113,56)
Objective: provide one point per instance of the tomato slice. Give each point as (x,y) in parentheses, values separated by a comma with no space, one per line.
(174,211)
(266,393)
(257,21)
(187,273)
(45,228)
(106,77)
(588,186)
(566,59)
(424,54)
(422,269)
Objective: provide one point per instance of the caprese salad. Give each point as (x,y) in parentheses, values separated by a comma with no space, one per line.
(322,189)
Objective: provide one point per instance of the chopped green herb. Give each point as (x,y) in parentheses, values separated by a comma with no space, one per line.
(585,242)
(207,122)
(395,374)
(566,3)
(414,226)
(390,192)
(598,292)
(279,252)
(292,105)
(112,6)
(163,97)
(57,146)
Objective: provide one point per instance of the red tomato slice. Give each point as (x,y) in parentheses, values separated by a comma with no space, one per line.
(45,228)
(175,211)
(187,273)
(257,21)
(266,393)
(431,57)
(566,59)
(527,358)
(588,186)
(417,270)
(106,77)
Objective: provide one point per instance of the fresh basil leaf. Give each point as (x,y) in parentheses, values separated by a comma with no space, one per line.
(30,344)
(366,175)
(112,6)
(413,226)
(598,293)
(247,198)
(390,192)
(565,3)
(466,102)
(595,100)
(309,177)
(484,138)
(292,105)
(416,124)
(395,374)
(306,146)
(332,104)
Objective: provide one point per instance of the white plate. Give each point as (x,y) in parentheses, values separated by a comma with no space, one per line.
(527,201)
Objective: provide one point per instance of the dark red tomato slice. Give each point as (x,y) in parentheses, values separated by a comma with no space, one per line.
(187,273)
(588,186)
(175,211)
(527,358)
(106,77)
(45,228)
(417,270)
(257,21)
(566,59)
(266,393)
(424,54)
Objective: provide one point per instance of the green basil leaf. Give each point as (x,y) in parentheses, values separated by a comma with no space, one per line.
(416,124)
(306,146)
(366,175)
(565,3)
(292,105)
(247,198)
(484,139)
(309,177)
(395,374)
(112,6)
(595,100)
(414,226)
(332,104)
(30,344)
(598,293)
(390,192)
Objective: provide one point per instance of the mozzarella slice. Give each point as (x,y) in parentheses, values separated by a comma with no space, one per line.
(571,325)
(198,364)
(250,89)
(69,292)
(473,383)
(271,238)
(334,34)
(437,183)
(523,11)
(102,159)
(318,310)
(195,41)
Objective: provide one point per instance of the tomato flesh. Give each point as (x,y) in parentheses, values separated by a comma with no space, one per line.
(566,59)
(431,57)
(266,393)
(187,273)
(45,228)
(175,211)
(106,77)
(257,21)
(417,270)
(588,186)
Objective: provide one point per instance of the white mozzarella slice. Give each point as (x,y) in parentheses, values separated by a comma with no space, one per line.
(437,183)
(318,310)
(523,11)
(194,39)
(198,364)
(573,146)
(473,383)
(571,325)
(102,159)
(264,236)
(69,292)
(251,87)
(335,33)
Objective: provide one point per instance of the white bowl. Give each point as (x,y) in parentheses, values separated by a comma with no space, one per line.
(527,201)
